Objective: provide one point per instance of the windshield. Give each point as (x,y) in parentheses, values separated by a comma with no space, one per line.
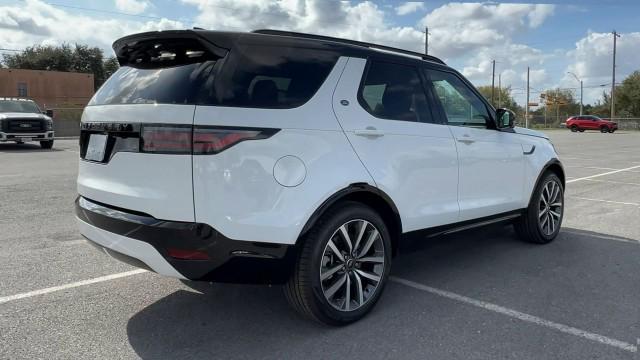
(20,106)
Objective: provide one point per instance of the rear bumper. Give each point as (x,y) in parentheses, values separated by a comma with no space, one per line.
(144,241)
(41,136)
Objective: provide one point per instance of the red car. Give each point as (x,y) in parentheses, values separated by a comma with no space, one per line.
(590,122)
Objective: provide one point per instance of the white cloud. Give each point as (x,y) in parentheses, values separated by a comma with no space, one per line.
(364,21)
(409,7)
(48,25)
(468,36)
(132,6)
(592,58)
(460,28)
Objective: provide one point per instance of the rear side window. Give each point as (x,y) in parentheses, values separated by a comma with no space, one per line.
(249,76)
(394,91)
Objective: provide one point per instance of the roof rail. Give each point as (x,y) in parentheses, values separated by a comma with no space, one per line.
(349,42)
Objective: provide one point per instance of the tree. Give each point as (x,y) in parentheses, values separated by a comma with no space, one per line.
(55,58)
(628,96)
(111,65)
(502,97)
(601,108)
(77,58)
(89,60)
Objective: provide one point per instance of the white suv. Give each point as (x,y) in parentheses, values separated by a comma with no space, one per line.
(278,157)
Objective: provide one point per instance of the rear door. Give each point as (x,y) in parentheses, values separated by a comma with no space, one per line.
(491,162)
(386,116)
(136,138)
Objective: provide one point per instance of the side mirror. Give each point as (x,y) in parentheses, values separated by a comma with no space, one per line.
(505,118)
(49,113)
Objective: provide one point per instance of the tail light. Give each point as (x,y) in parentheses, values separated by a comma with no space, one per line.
(176,139)
(166,139)
(212,140)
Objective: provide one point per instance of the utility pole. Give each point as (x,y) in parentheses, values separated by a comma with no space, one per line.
(493,81)
(499,90)
(613,77)
(426,40)
(526,112)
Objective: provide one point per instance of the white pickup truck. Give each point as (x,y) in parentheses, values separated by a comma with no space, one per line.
(21,120)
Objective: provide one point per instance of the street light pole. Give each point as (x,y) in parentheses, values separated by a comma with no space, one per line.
(579,80)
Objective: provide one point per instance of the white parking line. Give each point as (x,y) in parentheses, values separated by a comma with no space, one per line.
(596,168)
(520,315)
(605,201)
(603,174)
(29,294)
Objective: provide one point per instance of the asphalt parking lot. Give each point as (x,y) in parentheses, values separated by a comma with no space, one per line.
(480,294)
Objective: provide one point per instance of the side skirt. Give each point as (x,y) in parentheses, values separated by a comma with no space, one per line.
(461,226)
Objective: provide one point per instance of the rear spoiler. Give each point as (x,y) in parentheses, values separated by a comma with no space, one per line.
(159,49)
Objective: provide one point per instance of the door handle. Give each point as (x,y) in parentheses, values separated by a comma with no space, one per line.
(466,139)
(369,132)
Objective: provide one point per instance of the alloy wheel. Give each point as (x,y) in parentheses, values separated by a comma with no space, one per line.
(550,207)
(352,265)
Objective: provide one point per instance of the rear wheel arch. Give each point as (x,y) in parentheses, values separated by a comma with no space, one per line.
(370,196)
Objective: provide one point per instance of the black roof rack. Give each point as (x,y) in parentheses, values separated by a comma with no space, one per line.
(349,42)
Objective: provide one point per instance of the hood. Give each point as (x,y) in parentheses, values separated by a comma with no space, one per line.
(529,132)
(19,115)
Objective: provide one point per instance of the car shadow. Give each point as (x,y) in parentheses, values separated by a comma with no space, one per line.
(25,148)
(246,321)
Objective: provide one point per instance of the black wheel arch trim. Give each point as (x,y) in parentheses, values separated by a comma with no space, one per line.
(549,164)
(349,190)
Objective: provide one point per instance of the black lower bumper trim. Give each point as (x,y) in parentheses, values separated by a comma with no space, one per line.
(229,260)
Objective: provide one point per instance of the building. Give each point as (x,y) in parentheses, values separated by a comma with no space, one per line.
(50,89)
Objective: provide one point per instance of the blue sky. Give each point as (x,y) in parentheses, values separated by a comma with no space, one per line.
(550,38)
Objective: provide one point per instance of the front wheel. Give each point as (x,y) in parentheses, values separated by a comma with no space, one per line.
(604,129)
(574,128)
(541,221)
(342,267)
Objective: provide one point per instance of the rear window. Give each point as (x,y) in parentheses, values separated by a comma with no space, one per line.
(249,76)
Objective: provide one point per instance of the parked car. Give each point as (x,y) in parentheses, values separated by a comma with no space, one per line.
(21,121)
(279,157)
(590,122)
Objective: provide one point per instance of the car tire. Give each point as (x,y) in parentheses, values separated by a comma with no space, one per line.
(604,129)
(611,131)
(347,289)
(46,144)
(574,128)
(541,221)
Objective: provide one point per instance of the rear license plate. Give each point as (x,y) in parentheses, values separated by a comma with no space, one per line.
(96,147)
